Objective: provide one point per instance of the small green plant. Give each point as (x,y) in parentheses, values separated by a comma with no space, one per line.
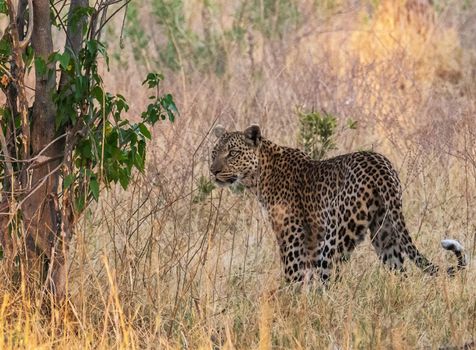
(317,132)
(204,186)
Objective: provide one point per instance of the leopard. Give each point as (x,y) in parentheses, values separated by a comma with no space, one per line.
(320,210)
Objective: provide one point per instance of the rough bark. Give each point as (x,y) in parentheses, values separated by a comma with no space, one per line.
(40,212)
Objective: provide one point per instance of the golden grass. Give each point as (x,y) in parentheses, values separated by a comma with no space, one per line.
(153,268)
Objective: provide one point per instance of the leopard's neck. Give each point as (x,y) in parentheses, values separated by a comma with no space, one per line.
(272,160)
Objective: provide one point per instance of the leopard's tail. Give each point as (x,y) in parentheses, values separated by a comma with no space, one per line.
(427,266)
(458,250)
(394,210)
(416,256)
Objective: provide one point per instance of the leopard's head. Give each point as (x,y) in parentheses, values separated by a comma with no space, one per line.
(235,156)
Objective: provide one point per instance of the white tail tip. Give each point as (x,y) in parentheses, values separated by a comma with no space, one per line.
(452,244)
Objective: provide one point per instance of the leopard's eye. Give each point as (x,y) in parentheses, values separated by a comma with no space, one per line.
(232,153)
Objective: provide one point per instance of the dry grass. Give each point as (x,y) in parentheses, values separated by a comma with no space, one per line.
(154,268)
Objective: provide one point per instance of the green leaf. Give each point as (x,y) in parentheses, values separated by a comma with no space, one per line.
(153,79)
(121,103)
(94,187)
(144,131)
(40,66)
(124,179)
(85,149)
(3,7)
(139,161)
(64,60)
(79,203)
(68,180)
(98,93)
(5,47)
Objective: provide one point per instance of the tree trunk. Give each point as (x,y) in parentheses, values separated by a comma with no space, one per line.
(40,210)
(46,152)
(48,228)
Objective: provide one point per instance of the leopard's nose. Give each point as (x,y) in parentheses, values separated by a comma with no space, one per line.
(215,168)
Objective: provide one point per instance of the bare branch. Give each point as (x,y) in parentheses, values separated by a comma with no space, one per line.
(20,71)
(39,185)
(104,21)
(6,154)
(23,44)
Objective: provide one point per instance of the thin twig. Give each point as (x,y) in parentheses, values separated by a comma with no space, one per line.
(39,184)
(111,16)
(6,153)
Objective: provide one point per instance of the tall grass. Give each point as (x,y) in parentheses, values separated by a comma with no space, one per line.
(171,264)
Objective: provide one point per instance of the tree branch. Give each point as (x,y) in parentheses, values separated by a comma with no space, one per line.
(22,44)
(74,34)
(18,72)
(6,154)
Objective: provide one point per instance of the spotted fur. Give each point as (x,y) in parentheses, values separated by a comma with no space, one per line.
(321,210)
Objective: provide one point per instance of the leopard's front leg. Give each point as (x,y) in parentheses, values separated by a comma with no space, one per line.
(291,234)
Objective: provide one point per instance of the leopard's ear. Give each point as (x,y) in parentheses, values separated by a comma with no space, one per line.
(219,131)
(253,135)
